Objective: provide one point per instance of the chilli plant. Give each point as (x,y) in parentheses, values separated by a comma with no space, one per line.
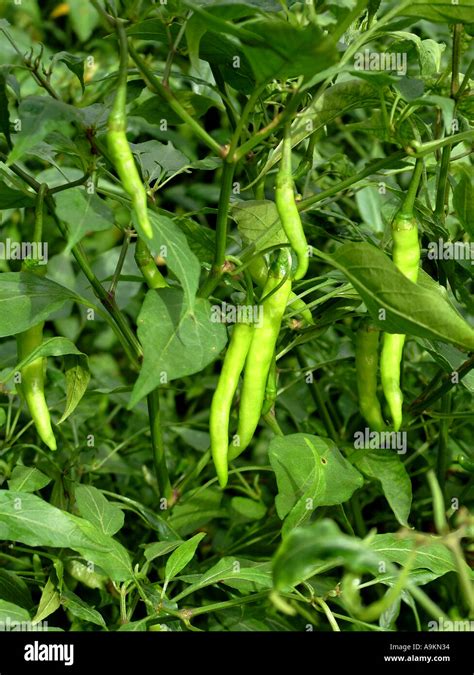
(236,315)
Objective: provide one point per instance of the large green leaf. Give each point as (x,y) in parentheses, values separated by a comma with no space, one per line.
(176,342)
(409,308)
(387,467)
(287,50)
(26,299)
(39,116)
(310,472)
(322,544)
(83,213)
(30,520)
(441,11)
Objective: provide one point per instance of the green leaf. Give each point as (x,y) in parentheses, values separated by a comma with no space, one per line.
(180,344)
(83,213)
(387,467)
(450,359)
(310,472)
(441,11)
(9,613)
(39,115)
(155,109)
(83,20)
(4,112)
(195,510)
(13,199)
(322,545)
(32,521)
(14,590)
(77,378)
(27,479)
(49,602)
(234,572)
(74,63)
(254,217)
(160,548)
(26,299)
(463,199)
(181,557)
(410,308)
(73,603)
(170,243)
(93,506)
(334,102)
(287,50)
(248,509)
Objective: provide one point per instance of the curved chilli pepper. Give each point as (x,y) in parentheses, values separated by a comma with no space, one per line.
(32,375)
(147,266)
(222,400)
(118,144)
(406,256)
(32,384)
(259,359)
(288,210)
(366,362)
(259,273)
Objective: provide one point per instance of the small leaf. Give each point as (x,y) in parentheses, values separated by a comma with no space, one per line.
(27,479)
(94,507)
(73,603)
(181,557)
(49,602)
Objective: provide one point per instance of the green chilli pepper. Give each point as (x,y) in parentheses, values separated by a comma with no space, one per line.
(406,256)
(259,359)
(366,361)
(32,375)
(259,272)
(147,266)
(118,144)
(271,388)
(288,210)
(222,400)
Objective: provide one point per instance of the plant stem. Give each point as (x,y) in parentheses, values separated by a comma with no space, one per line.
(154,84)
(159,459)
(429,397)
(439,511)
(442,188)
(217,268)
(409,201)
(317,397)
(120,262)
(373,167)
(443,438)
